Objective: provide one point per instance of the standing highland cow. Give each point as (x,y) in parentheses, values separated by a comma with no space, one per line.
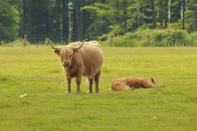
(127,83)
(81,59)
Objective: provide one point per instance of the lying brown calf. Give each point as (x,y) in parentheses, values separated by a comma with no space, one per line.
(127,83)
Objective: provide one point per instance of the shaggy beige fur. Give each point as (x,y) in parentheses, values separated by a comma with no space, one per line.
(127,83)
(81,59)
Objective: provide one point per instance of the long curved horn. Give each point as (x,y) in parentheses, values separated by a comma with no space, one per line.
(51,44)
(80,45)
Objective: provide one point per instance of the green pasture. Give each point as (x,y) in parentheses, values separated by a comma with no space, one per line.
(32,91)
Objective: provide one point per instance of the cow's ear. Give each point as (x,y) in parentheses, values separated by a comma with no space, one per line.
(75,50)
(57,51)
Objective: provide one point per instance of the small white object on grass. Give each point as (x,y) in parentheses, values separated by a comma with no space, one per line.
(23,95)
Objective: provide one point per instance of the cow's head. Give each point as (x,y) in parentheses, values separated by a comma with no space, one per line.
(66,53)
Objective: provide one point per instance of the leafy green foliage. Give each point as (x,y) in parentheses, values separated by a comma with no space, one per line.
(9,21)
(115,13)
(167,37)
(124,16)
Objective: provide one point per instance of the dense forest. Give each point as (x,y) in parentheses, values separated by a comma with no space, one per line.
(72,20)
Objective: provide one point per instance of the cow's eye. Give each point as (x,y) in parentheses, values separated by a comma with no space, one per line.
(70,56)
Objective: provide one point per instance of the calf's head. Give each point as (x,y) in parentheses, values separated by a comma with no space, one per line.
(154,84)
(66,53)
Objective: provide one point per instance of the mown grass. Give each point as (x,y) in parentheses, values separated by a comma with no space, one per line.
(37,72)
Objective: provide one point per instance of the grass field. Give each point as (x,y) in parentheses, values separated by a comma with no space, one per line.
(37,72)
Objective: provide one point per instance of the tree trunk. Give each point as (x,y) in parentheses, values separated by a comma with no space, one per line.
(57,21)
(166,13)
(153,13)
(46,19)
(183,14)
(65,24)
(195,18)
(125,17)
(81,21)
(161,15)
(78,18)
(75,23)
(24,23)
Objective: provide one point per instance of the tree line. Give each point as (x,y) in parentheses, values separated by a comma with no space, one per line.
(72,20)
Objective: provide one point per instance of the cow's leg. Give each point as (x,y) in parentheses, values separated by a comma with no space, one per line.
(90,85)
(68,82)
(78,82)
(97,77)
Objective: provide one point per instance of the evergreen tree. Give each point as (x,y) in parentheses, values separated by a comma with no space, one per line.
(73,20)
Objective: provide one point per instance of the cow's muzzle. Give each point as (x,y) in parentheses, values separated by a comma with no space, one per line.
(66,64)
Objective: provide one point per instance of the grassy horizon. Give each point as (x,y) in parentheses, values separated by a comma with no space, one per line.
(37,72)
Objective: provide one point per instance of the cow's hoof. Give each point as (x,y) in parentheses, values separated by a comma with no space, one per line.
(97,91)
(78,92)
(67,92)
(89,91)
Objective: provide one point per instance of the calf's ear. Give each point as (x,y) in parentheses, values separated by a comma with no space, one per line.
(153,80)
(57,51)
